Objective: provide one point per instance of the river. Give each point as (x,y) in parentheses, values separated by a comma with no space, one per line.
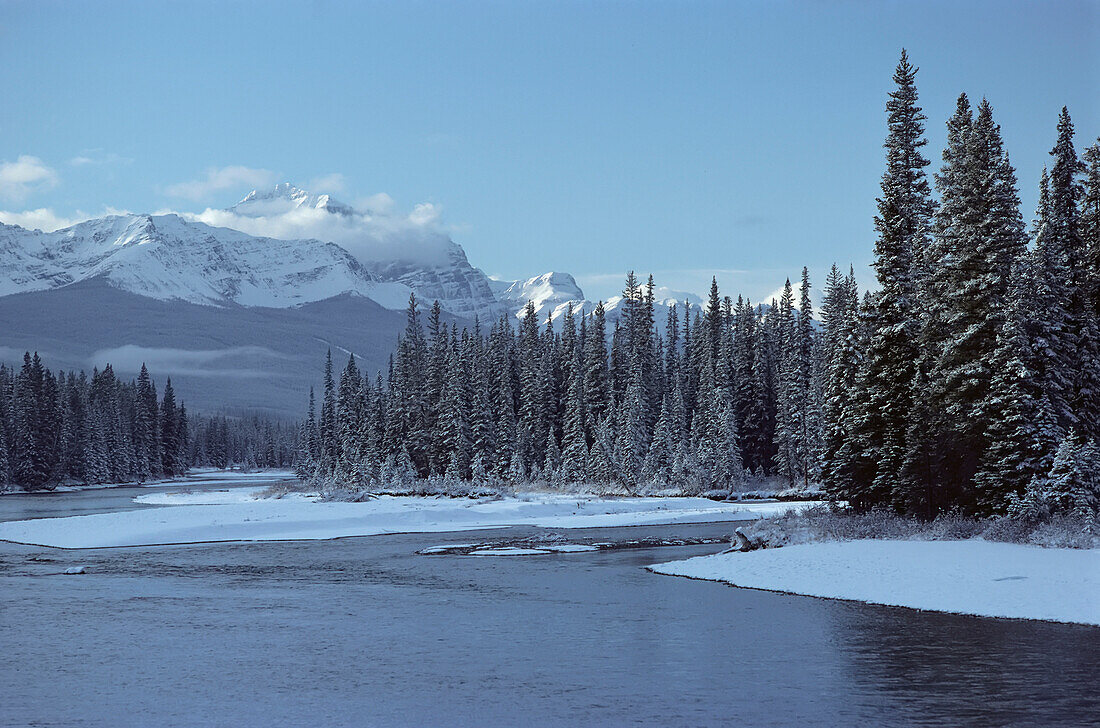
(363,631)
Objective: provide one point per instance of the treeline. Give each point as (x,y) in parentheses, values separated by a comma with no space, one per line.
(68,427)
(971,379)
(727,391)
(72,428)
(247,441)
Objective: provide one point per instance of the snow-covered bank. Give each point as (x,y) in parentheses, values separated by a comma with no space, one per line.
(235,516)
(196,478)
(967,577)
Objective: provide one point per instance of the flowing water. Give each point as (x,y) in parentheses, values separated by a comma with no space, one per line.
(363,631)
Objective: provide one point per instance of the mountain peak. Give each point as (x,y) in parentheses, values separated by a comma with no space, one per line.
(285,197)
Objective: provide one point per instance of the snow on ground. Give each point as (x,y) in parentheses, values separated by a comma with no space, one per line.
(508,551)
(967,577)
(195,478)
(209,497)
(564,548)
(234,516)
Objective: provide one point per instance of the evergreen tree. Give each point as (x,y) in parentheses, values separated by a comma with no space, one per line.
(788,402)
(1021,428)
(170,436)
(327,428)
(1065,234)
(574,442)
(903,221)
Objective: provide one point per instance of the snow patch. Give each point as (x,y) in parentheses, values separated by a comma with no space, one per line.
(235,516)
(965,577)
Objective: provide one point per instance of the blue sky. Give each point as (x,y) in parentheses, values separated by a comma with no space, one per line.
(679,138)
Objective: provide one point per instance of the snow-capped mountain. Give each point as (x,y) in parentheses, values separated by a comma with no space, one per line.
(285,197)
(550,292)
(255,293)
(279,248)
(395,249)
(168,258)
(553,292)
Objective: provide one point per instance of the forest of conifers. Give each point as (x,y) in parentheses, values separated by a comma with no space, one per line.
(70,428)
(968,379)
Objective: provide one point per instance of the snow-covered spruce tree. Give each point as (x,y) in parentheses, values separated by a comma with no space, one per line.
(574,443)
(806,378)
(146,453)
(32,425)
(171,446)
(453,422)
(597,391)
(483,436)
(751,394)
(602,468)
(408,415)
(788,405)
(437,355)
(327,427)
(1071,487)
(97,461)
(927,430)
(1090,222)
(903,223)
(533,407)
(842,354)
(1065,235)
(978,236)
(1051,333)
(1020,426)
(502,401)
(632,441)
(657,468)
(350,414)
(306,461)
(5,477)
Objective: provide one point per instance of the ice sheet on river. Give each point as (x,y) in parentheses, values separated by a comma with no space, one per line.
(233,516)
(966,577)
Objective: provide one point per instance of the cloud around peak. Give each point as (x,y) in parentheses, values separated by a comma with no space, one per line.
(221,179)
(374,231)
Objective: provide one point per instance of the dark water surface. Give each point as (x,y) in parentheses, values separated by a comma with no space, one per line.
(363,631)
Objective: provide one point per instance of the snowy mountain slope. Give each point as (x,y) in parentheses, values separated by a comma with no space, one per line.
(550,292)
(280,248)
(553,292)
(396,250)
(168,258)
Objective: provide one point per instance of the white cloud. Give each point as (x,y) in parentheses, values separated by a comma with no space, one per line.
(25,176)
(425,214)
(377,204)
(328,183)
(41,219)
(378,236)
(220,180)
(98,157)
(46,220)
